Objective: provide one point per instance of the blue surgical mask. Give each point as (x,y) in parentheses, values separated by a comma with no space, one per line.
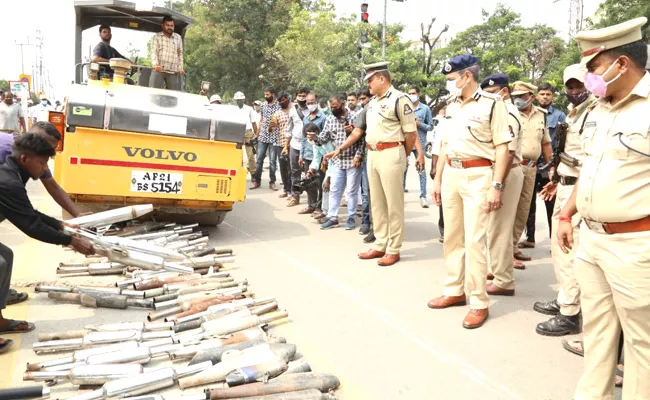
(44,102)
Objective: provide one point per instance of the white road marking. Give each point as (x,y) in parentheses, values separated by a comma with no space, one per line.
(443,355)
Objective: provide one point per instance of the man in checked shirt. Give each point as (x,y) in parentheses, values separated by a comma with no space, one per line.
(345,169)
(167,57)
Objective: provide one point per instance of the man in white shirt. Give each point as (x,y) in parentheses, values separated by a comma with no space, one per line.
(40,112)
(296,140)
(251,117)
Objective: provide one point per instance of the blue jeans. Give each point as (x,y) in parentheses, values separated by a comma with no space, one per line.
(423,174)
(273,161)
(365,195)
(342,179)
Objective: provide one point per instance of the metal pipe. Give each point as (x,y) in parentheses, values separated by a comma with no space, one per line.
(281,384)
(112,216)
(141,355)
(160,281)
(162,241)
(153,235)
(298,366)
(29,392)
(254,373)
(239,337)
(218,372)
(82,355)
(144,383)
(216,283)
(82,375)
(48,288)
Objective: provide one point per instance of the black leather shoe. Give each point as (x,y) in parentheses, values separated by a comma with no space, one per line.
(547,307)
(370,238)
(560,325)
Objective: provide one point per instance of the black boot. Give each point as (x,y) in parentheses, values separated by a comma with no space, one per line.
(370,238)
(560,325)
(547,307)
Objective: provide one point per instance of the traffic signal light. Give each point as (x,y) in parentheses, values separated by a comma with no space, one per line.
(364,37)
(364,12)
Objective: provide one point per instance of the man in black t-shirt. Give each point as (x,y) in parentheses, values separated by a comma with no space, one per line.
(103,52)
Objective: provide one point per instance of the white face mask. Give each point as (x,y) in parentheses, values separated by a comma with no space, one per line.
(414,98)
(312,107)
(453,89)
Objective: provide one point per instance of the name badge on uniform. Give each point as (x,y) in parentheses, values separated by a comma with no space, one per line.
(590,124)
(476,119)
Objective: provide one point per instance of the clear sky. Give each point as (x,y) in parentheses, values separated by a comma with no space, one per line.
(55,20)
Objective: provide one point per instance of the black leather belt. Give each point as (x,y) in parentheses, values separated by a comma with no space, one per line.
(568,180)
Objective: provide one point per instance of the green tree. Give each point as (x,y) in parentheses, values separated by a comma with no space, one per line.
(227,43)
(319,50)
(4,85)
(503,45)
(611,12)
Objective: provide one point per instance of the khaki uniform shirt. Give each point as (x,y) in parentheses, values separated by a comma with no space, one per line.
(514,121)
(535,133)
(384,126)
(474,127)
(614,183)
(573,147)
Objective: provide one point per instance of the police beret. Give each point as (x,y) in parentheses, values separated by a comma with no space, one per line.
(521,87)
(459,63)
(596,41)
(500,80)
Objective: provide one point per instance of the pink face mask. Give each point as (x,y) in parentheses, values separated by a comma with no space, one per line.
(596,84)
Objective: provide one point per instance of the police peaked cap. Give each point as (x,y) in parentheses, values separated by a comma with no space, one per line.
(459,63)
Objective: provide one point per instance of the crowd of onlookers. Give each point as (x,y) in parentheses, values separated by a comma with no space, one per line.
(296,132)
(16,115)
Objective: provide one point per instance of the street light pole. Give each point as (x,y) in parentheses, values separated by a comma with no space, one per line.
(383,33)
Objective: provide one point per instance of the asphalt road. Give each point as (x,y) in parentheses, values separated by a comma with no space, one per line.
(368,325)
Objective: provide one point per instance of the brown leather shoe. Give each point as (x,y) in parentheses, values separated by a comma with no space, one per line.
(447,301)
(518,264)
(490,276)
(284,195)
(371,254)
(273,187)
(475,318)
(526,245)
(307,210)
(388,259)
(522,257)
(255,185)
(494,290)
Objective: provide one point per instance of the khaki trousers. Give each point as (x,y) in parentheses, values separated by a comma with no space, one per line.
(523,208)
(385,180)
(614,276)
(499,235)
(248,136)
(569,295)
(466,226)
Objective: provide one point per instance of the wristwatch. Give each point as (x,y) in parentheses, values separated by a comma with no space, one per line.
(497,185)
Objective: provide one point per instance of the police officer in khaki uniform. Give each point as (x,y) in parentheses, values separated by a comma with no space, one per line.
(536,140)
(612,263)
(469,179)
(500,247)
(389,125)
(565,309)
